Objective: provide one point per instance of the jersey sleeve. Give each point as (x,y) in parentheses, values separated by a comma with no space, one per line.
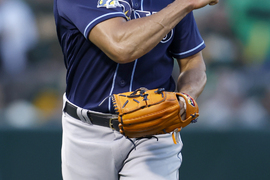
(85,14)
(187,39)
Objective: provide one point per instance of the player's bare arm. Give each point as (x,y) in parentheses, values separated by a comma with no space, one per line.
(192,78)
(124,41)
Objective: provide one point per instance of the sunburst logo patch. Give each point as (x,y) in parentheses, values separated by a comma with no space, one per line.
(108,3)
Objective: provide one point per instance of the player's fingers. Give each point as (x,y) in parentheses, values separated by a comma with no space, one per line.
(182,109)
(213,2)
(183,116)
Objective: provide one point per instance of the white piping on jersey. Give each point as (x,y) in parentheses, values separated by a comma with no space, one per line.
(108,14)
(141,5)
(190,50)
(115,74)
(132,75)
(113,83)
(135,63)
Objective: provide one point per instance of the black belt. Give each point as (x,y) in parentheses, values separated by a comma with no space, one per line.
(96,119)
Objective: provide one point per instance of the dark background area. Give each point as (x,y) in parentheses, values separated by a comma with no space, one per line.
(230,140)
(237,155)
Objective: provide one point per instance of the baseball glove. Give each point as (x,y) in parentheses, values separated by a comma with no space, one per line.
(144,113)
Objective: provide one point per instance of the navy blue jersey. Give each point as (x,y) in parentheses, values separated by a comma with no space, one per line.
(92,76)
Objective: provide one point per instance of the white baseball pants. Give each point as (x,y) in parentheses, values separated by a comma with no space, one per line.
(92,152)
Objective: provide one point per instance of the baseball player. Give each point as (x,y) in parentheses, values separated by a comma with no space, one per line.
(116,46)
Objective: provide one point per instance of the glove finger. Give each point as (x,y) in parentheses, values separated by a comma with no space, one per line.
(158,126)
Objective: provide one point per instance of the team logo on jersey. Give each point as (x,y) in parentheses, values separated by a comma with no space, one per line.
(131,13)
(167,37)
(126,8)
(108,3)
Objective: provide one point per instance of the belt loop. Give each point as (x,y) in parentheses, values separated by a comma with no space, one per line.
(85,115)
(79,113)
(64,102)
(82,114)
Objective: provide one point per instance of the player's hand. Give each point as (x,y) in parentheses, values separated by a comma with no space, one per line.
(197,4)
(213,2)
(182,108)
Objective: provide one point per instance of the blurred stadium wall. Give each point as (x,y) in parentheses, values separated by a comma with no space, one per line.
(231,139)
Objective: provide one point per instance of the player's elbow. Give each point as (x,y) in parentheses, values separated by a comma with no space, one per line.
(123,48)
(121,54)
(204,79)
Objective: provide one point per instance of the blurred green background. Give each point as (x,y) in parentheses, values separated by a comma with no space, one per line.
(231,139)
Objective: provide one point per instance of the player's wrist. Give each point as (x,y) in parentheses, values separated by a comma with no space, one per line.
(187,6)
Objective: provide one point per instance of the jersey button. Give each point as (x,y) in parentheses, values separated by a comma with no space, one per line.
(122,83)
(136,5)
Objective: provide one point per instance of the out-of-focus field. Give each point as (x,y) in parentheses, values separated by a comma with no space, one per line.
(231,138)
(207,155)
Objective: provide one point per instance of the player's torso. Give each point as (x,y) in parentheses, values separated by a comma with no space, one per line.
(92,76)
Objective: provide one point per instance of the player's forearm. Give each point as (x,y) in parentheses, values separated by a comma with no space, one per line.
(192,78)
(129,40)
(145,33)
(192,84)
